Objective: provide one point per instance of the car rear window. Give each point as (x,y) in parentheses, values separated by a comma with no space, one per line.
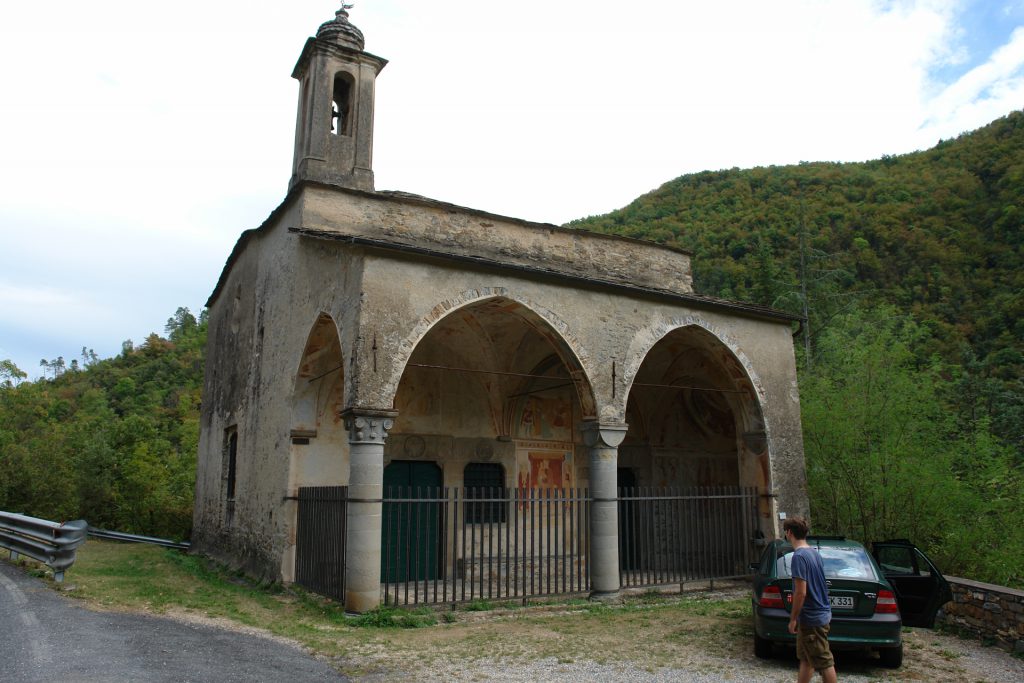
(840,563)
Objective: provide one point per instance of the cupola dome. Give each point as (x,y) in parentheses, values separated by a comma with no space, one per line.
(340,31)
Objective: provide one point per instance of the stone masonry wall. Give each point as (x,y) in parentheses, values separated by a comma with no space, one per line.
(989,612)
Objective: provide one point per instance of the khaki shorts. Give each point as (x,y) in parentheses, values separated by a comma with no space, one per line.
(812,646)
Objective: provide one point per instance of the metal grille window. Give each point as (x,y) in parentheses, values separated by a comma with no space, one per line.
(484,480)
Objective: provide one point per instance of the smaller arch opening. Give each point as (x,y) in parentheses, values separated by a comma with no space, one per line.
(341,104)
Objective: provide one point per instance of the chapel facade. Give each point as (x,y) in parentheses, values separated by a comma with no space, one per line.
(360,336)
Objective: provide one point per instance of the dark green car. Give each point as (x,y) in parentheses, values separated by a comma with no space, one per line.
(873,595)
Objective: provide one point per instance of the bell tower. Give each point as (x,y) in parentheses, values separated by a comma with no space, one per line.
(334,125)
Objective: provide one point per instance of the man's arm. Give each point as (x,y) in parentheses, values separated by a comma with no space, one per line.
(799,594)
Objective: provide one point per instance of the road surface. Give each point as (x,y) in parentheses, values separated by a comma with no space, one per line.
(46,637)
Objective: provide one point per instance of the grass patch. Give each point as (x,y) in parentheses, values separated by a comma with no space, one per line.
(390,617)
(479,606)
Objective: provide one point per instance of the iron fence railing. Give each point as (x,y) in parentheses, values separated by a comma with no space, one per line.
(674,535)
(52,543)
(448,545)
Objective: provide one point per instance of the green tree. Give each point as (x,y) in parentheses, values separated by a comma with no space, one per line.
(10,374)
(114,442)
(887,459)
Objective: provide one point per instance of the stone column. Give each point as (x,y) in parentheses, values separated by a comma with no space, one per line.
(603,441)
(367,431)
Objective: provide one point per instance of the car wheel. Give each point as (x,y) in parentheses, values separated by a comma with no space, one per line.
(891,657)
(762,647)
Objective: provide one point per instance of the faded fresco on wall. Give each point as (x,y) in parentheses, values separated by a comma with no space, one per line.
(545,471)
(548,417)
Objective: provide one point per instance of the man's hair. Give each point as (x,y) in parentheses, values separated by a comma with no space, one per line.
(796,526)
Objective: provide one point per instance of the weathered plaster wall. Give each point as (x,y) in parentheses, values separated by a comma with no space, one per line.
(464,232)
(259,325)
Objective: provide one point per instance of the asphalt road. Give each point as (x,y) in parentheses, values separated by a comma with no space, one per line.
(46,637)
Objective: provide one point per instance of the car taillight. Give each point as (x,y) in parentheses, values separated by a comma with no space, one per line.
(771,596)
(886,603)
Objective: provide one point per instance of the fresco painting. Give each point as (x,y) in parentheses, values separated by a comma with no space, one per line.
(547,418)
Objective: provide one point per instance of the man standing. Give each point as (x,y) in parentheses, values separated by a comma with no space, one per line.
(810,615)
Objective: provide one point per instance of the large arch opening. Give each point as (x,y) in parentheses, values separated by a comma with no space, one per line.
(697,437)
(489,380)
(694,418)
(494,397)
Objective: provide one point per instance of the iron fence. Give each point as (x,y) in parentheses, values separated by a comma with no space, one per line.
(448,545)
(320,540)
(674,535)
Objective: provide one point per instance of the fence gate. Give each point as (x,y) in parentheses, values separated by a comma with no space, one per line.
(320,540)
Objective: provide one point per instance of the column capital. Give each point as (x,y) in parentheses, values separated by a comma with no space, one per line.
(368,425)
(597,434)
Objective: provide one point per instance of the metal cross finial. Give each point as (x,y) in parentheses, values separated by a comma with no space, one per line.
(342,14)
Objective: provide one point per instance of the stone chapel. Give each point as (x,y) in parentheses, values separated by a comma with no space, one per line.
(361,337)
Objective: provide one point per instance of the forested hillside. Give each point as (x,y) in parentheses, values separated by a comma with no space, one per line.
(909,269)
(112,441)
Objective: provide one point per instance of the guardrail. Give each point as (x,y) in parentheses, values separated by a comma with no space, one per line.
(51,543)
(134,538)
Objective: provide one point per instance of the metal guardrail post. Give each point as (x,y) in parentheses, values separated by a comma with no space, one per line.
(52,543)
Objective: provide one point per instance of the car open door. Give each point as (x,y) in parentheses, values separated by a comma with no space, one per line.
(920,587)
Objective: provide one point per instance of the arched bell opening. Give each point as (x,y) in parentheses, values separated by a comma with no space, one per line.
(341,104)
(319,448)
(494,397)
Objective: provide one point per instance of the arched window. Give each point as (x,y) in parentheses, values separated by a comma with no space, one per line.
(341,105)
(484,480)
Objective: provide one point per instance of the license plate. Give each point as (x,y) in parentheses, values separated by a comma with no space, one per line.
(841,601)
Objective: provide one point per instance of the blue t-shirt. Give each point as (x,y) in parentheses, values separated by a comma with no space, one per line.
(807,566)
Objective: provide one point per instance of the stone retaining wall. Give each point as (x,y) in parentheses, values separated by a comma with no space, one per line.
(990,612)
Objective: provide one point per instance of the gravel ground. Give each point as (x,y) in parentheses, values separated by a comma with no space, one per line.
(965,662)
(929,656)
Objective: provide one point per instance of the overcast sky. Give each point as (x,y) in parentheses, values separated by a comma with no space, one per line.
(137,139)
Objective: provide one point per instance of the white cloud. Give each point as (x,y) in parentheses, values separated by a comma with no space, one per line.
(987,91)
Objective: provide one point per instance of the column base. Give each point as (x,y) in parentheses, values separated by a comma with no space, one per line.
(606,597)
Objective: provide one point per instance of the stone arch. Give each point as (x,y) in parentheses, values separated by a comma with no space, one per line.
(319,378)
(571,350)
(646,338)
(487,379)
(732,403)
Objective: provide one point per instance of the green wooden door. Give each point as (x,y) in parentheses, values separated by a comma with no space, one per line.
(411,530)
